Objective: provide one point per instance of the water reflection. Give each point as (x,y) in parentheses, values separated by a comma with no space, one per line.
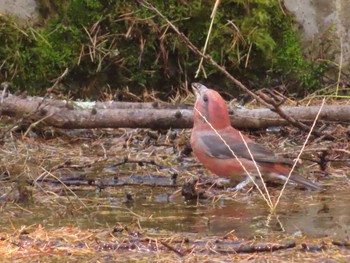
(309,214)
(300,213)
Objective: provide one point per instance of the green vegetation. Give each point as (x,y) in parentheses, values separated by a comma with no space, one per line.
(116,44)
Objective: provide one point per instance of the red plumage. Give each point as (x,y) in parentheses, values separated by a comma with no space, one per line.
(212,152)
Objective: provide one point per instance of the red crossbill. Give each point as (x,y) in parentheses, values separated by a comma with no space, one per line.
(215,155)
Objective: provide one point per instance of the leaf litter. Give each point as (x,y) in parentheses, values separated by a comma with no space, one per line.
(73,195)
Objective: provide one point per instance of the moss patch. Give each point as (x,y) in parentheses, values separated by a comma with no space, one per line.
(117,44)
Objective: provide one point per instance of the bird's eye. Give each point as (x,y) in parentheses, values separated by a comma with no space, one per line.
(205,98)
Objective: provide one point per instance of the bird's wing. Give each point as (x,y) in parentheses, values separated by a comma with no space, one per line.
(215,147)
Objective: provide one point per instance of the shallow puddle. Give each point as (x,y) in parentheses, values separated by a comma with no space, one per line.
(300,213)
(107,185)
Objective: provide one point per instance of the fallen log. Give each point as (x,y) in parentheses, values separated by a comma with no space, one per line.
(36,101)
(264,118)
(86,115)
(154,115)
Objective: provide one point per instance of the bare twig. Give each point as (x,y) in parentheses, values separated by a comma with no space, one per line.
(5,86)
(59,79)
(212,16)
(298,124)
(340,66)
(264,100)
(65,186)
(172,248)
(152,162)
(298,157)
(250,247)
(257,168)
(33,124)
(195,50)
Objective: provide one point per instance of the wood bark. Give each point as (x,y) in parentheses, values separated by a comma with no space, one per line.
(264,118)
(154,115)
(80,115)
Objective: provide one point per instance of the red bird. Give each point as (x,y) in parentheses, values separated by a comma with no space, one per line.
(212,152)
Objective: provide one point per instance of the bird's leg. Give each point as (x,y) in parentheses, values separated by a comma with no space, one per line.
(241,185)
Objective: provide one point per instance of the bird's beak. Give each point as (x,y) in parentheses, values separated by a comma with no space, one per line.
(198,89)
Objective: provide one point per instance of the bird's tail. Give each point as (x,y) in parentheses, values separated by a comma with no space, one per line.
(305,182)
(284,171)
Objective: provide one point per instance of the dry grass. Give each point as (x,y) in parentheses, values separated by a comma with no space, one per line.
(106,245)
(60,233)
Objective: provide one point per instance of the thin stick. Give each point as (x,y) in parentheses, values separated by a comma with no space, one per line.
(269,218)
(269,203)
(248,55)
(213,14)
(257,168)
(301,151)
(65,186)
(58,80)
(340,66)
(5,86)
(281,7)
(191,46)
(264,100)
(167,245)
(36,123)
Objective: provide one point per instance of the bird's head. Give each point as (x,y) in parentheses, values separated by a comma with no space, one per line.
(211,105)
